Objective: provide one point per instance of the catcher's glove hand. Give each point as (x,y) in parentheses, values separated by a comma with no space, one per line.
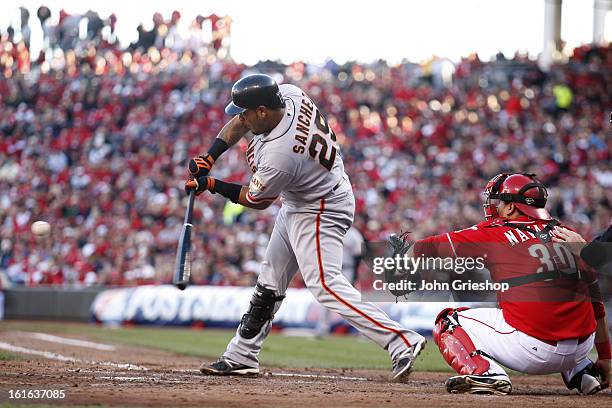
(400,243)
(400,246)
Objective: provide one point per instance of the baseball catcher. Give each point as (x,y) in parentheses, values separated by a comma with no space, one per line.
(549,318)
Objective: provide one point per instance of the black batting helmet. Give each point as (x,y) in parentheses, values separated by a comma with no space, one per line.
(253,91)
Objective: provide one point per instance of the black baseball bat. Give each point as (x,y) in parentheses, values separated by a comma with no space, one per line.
(182,269)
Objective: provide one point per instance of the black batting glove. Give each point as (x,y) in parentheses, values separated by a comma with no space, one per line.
(200,166)
(199,184)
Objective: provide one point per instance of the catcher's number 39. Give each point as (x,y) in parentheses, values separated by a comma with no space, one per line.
(37,394)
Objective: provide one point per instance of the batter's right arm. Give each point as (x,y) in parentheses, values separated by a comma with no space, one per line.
(263,189)
(235,192)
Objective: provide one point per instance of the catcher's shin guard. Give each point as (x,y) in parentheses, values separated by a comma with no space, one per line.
(260,311)
(456,346)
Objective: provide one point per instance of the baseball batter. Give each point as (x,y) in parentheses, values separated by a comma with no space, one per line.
(294,155)
(534,330)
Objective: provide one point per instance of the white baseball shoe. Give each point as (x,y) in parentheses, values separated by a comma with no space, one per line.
(585,381)
(225,366)
(403,364)
(497,384)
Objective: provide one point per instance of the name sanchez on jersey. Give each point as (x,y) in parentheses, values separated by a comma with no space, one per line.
(303,124)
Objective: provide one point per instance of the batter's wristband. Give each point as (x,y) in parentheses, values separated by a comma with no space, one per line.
(228,190)
(218,148)
(603,350)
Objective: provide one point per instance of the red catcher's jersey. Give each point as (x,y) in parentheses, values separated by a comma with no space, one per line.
(512,253)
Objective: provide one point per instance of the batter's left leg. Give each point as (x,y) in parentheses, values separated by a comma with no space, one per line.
(277,269)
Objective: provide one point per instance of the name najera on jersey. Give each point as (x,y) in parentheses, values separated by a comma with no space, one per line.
(514,236)
(303,125)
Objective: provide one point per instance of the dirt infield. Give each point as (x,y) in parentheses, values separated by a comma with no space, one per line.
(119,375)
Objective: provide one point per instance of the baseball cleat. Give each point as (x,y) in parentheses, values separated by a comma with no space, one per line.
(402,365)
(497,384)
(586,381)
(225,366)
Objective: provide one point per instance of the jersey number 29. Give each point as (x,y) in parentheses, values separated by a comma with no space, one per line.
(325,139)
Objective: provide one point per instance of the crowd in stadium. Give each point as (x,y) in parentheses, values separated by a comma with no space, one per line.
(95,139)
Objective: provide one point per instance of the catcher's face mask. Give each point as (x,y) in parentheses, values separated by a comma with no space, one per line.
(491,190)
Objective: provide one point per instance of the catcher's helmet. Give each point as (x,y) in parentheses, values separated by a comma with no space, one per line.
(524,190)
(253,91)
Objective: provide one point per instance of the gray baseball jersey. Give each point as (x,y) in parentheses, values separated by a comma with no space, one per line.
(299,160)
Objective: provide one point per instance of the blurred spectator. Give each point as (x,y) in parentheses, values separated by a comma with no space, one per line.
(24,27)
(43,13)
(146,39)
(68,30)
(94,25)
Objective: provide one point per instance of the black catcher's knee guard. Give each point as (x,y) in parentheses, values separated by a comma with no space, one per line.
(260,311)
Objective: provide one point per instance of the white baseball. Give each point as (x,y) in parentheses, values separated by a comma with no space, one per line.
(40,228)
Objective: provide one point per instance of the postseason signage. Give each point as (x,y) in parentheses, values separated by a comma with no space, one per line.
(211,305)
(215,306)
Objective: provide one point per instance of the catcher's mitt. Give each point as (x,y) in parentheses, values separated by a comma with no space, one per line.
(400,246)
